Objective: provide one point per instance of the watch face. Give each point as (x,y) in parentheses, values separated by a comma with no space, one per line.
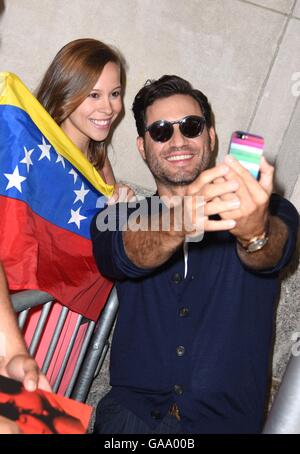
(257,245)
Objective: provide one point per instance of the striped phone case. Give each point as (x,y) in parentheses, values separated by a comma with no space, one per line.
(247,149)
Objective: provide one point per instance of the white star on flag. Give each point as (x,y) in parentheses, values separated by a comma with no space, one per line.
(45,150)
(14,179)
(81,193)
(60,159)
(76,217)
(27,159)
(75,174)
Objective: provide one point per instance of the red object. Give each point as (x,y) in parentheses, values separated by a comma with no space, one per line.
(41,412)
(38,255)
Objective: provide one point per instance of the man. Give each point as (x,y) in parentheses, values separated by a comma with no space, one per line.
(192,343)
(15,361)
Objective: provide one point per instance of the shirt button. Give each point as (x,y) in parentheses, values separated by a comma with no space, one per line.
(155,414)
(178,389)
(183,312)
(176,278)
(180,350)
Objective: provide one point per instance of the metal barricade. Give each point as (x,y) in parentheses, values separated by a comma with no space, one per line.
(93,348)
(284,416)
(98,348)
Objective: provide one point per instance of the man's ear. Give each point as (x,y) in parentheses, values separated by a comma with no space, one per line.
(140,147)
(212,136)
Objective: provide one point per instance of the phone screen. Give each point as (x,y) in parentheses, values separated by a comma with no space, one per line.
(247,149)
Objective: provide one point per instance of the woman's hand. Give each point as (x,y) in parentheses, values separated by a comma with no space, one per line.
(122,193)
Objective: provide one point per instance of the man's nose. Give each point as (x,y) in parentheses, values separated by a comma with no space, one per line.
(177,139)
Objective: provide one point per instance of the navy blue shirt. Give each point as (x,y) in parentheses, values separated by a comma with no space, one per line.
(202,341)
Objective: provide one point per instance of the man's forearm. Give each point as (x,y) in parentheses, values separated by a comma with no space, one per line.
(152,248)
(272,252)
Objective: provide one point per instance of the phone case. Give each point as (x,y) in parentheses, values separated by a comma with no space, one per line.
(247,149)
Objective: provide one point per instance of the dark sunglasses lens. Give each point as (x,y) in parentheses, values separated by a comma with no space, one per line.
(161,131)
(192,126)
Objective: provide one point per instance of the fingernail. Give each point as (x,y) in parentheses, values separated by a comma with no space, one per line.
(235,203)
(30,385)
(231,224)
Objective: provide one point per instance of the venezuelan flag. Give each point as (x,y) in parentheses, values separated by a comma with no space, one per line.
(49,193)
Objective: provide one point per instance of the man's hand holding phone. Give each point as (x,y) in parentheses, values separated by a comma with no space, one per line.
(252,215)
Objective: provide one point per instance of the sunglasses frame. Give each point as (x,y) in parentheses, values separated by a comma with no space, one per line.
(180,122)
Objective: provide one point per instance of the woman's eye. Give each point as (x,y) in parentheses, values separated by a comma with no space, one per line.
(116,93)
(94,95)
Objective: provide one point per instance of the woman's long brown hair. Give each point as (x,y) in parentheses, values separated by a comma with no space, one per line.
(70,78)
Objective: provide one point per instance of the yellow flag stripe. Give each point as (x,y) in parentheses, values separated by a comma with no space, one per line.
(13,92)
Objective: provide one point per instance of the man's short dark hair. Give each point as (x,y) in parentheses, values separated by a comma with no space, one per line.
(163,88)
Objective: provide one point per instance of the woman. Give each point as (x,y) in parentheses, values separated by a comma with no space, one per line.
(82,90)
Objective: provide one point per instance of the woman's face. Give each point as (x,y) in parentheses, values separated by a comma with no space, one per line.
(93,118)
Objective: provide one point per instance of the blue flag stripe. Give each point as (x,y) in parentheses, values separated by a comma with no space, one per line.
(32,171)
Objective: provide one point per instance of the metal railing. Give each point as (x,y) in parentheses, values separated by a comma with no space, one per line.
(284,416)
(93,348)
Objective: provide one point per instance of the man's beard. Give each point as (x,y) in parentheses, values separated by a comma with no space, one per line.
(179,178)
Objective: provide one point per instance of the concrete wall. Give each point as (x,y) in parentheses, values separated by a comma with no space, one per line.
(245,55)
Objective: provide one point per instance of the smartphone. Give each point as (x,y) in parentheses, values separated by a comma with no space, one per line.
(247,149)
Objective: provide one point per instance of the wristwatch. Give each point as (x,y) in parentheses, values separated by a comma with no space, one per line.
(256,243)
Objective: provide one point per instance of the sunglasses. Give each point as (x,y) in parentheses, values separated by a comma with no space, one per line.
(190,126)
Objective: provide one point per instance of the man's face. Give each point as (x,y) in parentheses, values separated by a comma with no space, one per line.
(180,160)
